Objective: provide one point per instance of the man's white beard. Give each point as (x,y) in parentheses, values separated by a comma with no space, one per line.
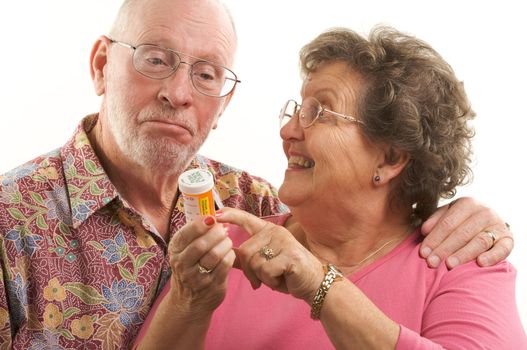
(147,152)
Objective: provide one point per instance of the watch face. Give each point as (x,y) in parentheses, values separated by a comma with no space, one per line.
(334,269)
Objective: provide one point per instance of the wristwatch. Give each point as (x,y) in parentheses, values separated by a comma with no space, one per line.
(331,274)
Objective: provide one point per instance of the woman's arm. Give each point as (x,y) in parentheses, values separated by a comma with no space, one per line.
(472,308)
(351,320)
(472,303)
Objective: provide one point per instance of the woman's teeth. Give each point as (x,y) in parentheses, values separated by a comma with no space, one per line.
(301,161)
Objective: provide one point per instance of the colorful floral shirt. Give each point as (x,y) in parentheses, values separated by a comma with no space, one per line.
(79,267)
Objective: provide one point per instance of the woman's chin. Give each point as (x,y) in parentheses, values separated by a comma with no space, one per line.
(291,194)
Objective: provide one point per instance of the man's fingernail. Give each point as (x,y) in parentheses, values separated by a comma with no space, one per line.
(452,262)
(425,251)
(433,261)
(483,261)
(209,221)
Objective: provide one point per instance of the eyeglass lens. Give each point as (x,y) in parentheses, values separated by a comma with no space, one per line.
(308,112)
(287,113)
(159,63)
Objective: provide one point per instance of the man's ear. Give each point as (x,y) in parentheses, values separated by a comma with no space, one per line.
(98,60)
(391,166)
(224,104)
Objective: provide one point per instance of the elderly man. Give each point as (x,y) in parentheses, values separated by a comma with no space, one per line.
(84,229)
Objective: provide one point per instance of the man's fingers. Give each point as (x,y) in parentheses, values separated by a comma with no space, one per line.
(431,222)
(437,228)
(501,250)
(190,232)
(461,222)
(480,243)
(455,240)
(215,255)
(495,242)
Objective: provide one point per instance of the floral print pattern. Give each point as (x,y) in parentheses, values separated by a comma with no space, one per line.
(79,267)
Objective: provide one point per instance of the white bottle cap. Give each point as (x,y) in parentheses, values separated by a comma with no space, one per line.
(195,181)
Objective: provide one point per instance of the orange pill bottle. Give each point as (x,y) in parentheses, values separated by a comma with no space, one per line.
(196,187)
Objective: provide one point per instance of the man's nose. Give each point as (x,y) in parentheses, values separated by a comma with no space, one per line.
(177,88)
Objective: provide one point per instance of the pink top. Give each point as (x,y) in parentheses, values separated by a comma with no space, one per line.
(466,308)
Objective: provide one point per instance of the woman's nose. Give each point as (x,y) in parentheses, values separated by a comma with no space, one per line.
(292,130)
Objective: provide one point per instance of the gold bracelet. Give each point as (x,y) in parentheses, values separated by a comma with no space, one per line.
(331,274)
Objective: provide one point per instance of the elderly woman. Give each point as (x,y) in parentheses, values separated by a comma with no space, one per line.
(379,137)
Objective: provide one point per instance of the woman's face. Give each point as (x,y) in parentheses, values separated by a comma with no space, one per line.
(330,161)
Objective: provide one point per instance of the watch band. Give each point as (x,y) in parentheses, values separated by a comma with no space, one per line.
(331,274)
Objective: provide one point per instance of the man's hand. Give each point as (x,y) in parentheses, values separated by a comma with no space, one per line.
(201,256)
(460,232)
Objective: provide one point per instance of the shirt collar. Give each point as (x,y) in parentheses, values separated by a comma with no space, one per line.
(89,188)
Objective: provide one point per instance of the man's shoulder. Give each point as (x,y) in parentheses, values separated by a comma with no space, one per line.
(23,193)
(239,189)
(43,168)
(220,170)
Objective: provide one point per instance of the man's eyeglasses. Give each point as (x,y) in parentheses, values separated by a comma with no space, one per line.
(157,62)
(309,112)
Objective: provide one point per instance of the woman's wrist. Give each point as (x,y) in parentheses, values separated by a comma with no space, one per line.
(331,275)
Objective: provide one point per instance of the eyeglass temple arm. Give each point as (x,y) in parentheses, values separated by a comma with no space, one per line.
(122,44)
(236,80)
(347,117)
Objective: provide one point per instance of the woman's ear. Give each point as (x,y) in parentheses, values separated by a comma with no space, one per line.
(391,166)
(98,60)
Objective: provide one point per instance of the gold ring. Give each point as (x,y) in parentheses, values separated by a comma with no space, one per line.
(267,253)
(204,270)
(492,236)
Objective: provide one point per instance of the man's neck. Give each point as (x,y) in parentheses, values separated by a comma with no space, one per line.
(150,192)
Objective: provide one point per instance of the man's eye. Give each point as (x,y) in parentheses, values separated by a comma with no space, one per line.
(205,76)
(206,72)
(156,61)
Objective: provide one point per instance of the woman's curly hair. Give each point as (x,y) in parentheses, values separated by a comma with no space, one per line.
(410,100)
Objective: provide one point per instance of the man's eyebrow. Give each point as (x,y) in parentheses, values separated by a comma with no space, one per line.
(214,58)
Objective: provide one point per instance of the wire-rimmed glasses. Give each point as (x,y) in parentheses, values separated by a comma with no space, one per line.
(309,112)
(158,62)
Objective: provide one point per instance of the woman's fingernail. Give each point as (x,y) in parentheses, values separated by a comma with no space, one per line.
(425,252)
(218,213)
(209,220)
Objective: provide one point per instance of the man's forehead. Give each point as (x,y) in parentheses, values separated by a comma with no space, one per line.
(200,30)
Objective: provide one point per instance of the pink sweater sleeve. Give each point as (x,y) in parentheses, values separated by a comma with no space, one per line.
(470,308)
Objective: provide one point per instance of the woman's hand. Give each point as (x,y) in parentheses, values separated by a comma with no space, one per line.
(274,257)
(201,256)
(460,230)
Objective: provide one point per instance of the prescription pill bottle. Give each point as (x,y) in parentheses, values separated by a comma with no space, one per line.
(196,188)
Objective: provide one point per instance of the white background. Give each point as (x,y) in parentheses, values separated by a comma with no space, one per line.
(45,86)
